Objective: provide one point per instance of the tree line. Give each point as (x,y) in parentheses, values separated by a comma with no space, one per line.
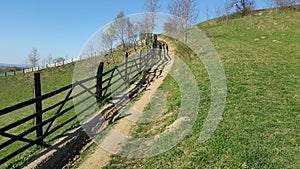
(34,58)
(185,12)
(245,7)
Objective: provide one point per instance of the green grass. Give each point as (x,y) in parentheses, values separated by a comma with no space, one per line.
(260,126)
(18,88)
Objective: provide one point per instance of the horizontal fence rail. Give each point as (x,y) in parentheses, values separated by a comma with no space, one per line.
(120,76)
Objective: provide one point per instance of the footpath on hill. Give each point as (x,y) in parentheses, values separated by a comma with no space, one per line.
(100,157)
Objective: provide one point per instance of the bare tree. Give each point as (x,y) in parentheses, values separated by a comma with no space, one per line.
(145,26)
(67,57)
(186,11)
(121,28)
(152,7)
(285,4)
(108,38)
(223,12)
(171,27)
(44,62)
(49,59)
(34,57)
(133,32)
(144,29)
(227,9)
(219,12)
(244,7)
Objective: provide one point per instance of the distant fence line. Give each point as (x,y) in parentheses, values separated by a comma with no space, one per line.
(50,65)
(37,68)
(55,64)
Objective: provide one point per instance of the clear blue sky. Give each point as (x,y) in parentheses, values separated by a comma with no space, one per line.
(61,27)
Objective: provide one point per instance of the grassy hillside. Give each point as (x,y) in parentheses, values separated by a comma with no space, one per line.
(18,88)
(261,123)
(15,89)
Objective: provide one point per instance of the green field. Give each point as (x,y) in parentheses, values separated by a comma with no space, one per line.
(18,88)
(260,127)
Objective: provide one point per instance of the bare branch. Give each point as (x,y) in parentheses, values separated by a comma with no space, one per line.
(187,13)
(152,7)
(34,57)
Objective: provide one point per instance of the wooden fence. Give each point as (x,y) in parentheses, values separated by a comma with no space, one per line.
(43,127)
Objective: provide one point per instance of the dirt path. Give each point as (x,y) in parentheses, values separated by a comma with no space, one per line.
(112,141)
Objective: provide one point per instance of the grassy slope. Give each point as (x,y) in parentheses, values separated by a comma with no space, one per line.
(15,89)
(18,88)
(260,126)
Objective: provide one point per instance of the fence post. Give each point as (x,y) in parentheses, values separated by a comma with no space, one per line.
(160,51)
(140,60)
(14,72)
(99,82)
(23,71)
(5,73)
(154,48)
(38,107)
(126,69)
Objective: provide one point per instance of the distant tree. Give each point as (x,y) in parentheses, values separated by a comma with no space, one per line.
(44,61)
(223,12)
(145,26)
(108,38)
(284,4)
(186,11)
(125,31)
(59,59)
(121,27)
(132,33)
(143,29)
(152,7)
(34,57)
(67,57)
(170,26)
(49,59)
(90,50)
(244,7)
